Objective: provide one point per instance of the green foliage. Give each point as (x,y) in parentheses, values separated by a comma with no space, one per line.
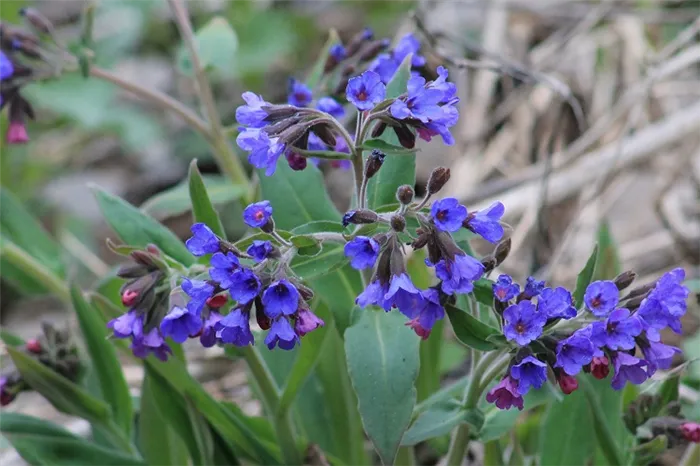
(202,209)
(216,44)
(472,332)
(585,277)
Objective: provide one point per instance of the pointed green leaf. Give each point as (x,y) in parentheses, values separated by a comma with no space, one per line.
(472,332)
(10,339)
(382,355)
(202,209)
(601,426)
(138,229)
(103,356)
(441,420)
(585,277)
(608,260)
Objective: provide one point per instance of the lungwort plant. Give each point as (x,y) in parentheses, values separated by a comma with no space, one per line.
(341,317)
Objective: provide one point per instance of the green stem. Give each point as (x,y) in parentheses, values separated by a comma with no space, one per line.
(405,457)
(281,420)
(691,455)
(32,267)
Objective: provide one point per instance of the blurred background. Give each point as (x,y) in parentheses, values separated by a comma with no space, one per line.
(582,116)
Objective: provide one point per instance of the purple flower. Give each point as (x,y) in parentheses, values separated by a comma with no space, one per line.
(127,325)
(448,89)
(6,67)
(373,295)
(657,355)
(504,289)
(533,287)
(556,303)
(431,312)
(576,351)
(385,66)
(252,114)
(151,343)
(458,275)
(204,240)
(209,329)
(601,297)
(180,323)
(617,332)
(280,298)
(235,328)
(337,51)
(448,214)
(530,372)
(628,369)
(505,394)
(258,214)
(263,151)
(365,91)
(406,45)
(198,291)
(487,222)
(362,251)
(523,323)
(260,250)
(330,106)
(404,295)
(245,285)
(306,322)
(299,94)
(665,305)
(282,335)
(421,104)
(222,268)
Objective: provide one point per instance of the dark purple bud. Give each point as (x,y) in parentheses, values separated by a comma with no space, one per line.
(357,41)
(398,223)
(323,131)
(502,251)
(379,129)
(420,242)
(306,293)
(279,112)
(27,48)
(640,291)
(624,280)
(293,134)
(296,161)
(372,49)
(348,70)
(406,137)
(358,217)
(438,178)
(37,20)
(374,163)
(132,270)
(405,194)
(282,125)
(260,316)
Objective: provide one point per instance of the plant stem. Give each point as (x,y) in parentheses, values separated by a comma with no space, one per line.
(270,398)
(31,266)
(691,455)
(405,457)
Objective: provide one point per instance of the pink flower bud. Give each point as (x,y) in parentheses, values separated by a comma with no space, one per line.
(17,133)
(691,431)
(567,383)
(600,367)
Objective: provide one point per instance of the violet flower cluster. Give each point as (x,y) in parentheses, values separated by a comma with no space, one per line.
(623,336)
(16,48)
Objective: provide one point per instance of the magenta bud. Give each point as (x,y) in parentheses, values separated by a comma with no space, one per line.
(17,133)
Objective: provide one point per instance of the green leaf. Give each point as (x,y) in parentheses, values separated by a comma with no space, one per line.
(439,421)
(608,260)
(202,209)
(10,339)
(382,355)
(483,291)
(328,260)
(216,44)
(387,148)
(668,392)
(396,170)
(498,422)
(445,394)
(585,277)
(113,386)
(601,427)
(318,226)
(472,332)
(317,70)
(177,200)
(41,442)
(138,229)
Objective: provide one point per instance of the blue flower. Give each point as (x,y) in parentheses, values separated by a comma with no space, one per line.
(127,325)
(331,107)
(385,66)
(530,372)
(204,240)
(245,285)
(487,223)
(306,322)
(665,305)
(576,351)
(263,150)
(533,287)
(222,268)
(337,51)
(556,303)
(448,214)
(198,291)
(617,332)
(504,289)
(601,297)
(235,328)
(448,89)
(408,44)
(628,369)
(431,312)
(373,295)
(252,114)
(151,343)
(404,295)
(420,104)
(280,298)
(282,335)
(209,329)
(365,91)
(260,250)
(505,394)
(180,323)
(6,67)
(657,355)
(523,323)
(459,274)
(362,251)
(299,94)
(258,214)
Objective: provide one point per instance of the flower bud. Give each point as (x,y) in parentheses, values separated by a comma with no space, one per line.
(420,242)
(405,194)
(379,129)
(33,346)
(279,112)
(406,137)
(260,316)
(323,131)
(296,161)
(269,227)
(374,163)
(398,223)
(37,20)
(282,125)
(357,217)
(217,301)
(624,280)
(129,297)
(502,251)
(691,431)
(357,41)
(640,291)
(567,383)
(600,367)
(438,178)
(17,133)
(373,49)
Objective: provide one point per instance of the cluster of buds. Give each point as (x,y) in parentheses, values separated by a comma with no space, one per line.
(55,349)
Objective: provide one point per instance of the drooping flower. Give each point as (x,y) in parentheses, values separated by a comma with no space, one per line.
(151,343)
(281,298)
(203,241)
(252,114)
(504,289)
(600,367)
(209,329)
(222,268)
(530,372)
(403,295)
(448,214)
(365,91)
(617,332)
(258,214)
(523,323)
(245,285)
(431,312)
(235,328)
(362,251)
(299,94)
(601,297)
(533,288)
(127,325)
(373,295)
(487,222)
(567,383)
(556,303)
(330,106)
(657,354)
(458,275)
(263,151)
(576,351)
(505,394)
(260,250)
(6,67)
(282,335)
(180,323)
(199,292)
(17,133)
(306,322)
(628,369)
(665,305)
